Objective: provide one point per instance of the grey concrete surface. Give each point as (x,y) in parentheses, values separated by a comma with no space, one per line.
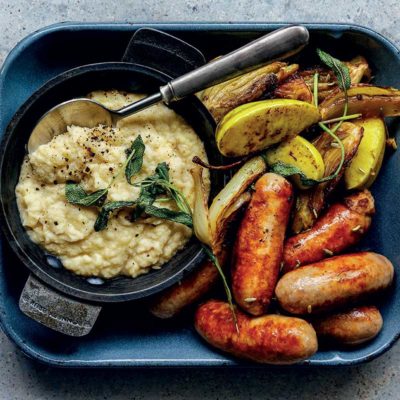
(24,379)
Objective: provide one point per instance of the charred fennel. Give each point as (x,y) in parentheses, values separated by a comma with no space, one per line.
(342,74)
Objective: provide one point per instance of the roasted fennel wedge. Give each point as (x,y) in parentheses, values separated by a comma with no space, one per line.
(310,203)
(294,88)
(359,71)
(224,97)
(368,100)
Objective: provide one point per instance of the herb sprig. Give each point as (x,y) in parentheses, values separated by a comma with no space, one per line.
(150,188)
(106,210)
(159,183)
(340,70)
(75,194)
(342,74)
(211,256)
(171,215)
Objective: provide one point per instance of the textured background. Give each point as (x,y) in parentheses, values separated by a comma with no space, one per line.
(21,378)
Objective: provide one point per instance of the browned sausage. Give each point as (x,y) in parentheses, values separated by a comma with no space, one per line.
(333,283)
(341,227)
(270,339)
(350,327)
(259,244)
(192,288)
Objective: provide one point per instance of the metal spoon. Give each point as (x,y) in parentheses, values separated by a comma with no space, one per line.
(278,44)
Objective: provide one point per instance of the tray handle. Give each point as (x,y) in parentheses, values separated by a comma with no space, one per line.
(163,52)
(56,311)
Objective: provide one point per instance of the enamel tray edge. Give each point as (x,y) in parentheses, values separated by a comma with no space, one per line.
(6,322)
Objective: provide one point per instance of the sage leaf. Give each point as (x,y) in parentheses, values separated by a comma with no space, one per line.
(180,200)
(106,210)
(158,184)
(135,158)
(75,194)
(147,197)
(137,212)
(162,171)
(175,216)
(340,70)
(287,171)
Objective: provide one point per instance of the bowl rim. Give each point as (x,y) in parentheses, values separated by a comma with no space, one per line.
(6,225)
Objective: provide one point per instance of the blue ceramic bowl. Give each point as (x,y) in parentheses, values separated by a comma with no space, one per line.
(140,341)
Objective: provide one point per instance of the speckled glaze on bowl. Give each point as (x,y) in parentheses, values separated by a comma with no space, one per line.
(125,335)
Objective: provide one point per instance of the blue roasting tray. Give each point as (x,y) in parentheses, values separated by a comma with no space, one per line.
(125,336)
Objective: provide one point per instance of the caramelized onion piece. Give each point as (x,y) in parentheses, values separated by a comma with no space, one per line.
(201,225)
(239,183)
(210,225)
(287,71)
(226,218)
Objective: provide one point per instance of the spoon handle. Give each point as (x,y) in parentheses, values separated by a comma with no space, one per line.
(278,44)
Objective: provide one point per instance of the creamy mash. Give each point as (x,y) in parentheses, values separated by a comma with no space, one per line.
(92,157)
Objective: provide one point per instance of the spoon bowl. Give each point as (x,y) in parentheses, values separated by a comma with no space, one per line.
(80,112)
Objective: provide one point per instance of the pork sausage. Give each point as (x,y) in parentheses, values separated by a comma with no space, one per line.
(192,288)
(258,249)
(270,339)
(342,226)
(350,327)
(333,283)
